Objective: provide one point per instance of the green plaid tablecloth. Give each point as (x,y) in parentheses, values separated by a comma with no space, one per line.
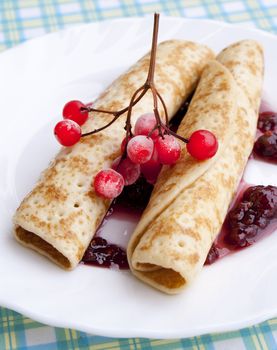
(21,20)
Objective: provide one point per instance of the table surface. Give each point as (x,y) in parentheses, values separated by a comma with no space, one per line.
(21,20)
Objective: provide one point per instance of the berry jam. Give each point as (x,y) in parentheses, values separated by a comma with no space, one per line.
(127,208)
(265,147)
(252,216)
(267,121)
(135,196)
(101,253)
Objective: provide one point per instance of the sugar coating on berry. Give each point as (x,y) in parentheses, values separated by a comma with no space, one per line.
(108,183)
(129,170)
(67,132)
(202,144)
(145,124)
(140,149)
(73,111)
(169,149)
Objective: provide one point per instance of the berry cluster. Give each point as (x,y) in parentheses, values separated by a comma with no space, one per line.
(152,144)
(266,144)
(255,211)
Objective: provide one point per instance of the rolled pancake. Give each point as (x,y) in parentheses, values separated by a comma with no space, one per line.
(61,214)
(190,199)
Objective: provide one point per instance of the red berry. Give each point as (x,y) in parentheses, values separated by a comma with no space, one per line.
(169,149)
(123,144)
(108,183)
(72,110)
(152,168)
(145,124)
(140,149)
(67,132)
(129,170)
(202,144)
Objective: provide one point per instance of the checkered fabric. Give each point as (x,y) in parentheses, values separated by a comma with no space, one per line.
(21,20)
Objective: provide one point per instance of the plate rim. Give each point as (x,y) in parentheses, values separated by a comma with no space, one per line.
(136,18)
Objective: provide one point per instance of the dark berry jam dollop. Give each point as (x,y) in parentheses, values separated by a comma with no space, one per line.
(266,145)
(246,222)
(267,121)
(257,208)
(101,253)
(135,196)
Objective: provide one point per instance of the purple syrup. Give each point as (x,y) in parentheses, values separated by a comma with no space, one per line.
(252,215)
(108,247)
(101,253)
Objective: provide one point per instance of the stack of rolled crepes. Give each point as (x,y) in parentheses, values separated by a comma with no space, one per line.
(190,199)
(61,214)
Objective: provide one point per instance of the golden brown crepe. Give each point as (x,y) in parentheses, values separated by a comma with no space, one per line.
(190,199)
(61,214)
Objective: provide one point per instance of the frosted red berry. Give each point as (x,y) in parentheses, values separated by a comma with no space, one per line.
(145,124)
(169,149)
(152,168)
(108,183)
(202,144)
(73,110)
(140,149)
(67,132)
(129,170)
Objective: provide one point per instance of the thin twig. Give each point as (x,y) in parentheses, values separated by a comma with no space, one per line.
(102,128)
(164,107)
(138,95)
(169,131)
(151,71)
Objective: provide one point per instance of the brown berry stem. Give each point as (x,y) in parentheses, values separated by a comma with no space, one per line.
(138,95)
(151,70)
(103,127)
(169,131)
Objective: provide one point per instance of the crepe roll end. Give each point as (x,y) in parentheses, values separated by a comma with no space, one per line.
(33,241)
(164,279)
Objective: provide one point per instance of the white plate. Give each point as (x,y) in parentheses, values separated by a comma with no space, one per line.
(37,78)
